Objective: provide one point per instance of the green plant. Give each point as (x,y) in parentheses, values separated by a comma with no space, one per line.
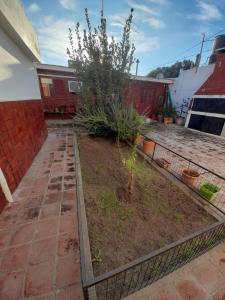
(130,164)
(97,259)
(208,190)
(167,111)
(103,66)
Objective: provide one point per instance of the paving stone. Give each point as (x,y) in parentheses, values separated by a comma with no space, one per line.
(4,238)
(189,290)
(23,234)
(39,279)
(46,228)
(68,244)
(51,210)
(68,271)
(44,250)
(53,198)
(70,293)
(208,276)
(11,286)
(67,224)
(15,258)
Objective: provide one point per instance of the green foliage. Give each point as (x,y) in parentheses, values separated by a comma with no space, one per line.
(130,163)
(208,190)
(173,70)
(103,66)
(97,259)
(167,111)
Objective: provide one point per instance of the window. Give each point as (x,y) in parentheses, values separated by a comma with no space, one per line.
(206,124)
(210,105)
(47,86)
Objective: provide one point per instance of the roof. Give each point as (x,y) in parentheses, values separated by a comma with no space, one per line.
(14,22)
(54,68)
(151,79)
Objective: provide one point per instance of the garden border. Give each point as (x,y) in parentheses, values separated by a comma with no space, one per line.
(144,270)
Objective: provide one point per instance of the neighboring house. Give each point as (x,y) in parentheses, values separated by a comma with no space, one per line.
(58,89)
(188,82)
(207,111)
(22,124)
(147,94)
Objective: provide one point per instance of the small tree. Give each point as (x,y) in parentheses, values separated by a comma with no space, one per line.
(130,164)
(102,65)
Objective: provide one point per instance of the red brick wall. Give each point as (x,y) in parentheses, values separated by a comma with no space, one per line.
(22,133)
(3,200)
(145,96)
(215,84)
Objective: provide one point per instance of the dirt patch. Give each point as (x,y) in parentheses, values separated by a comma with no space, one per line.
(122,229)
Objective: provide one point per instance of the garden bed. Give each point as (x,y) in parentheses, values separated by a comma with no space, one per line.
(122,229)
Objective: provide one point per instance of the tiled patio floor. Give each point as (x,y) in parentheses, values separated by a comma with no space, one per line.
(206,150)
(201,279)
(39,250)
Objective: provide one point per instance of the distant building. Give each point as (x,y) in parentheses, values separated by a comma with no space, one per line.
(187,83)
(22,124)
(147,94)
(207,112)
(59,89)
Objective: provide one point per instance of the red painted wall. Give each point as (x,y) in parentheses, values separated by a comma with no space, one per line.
(60,96)
(145,96)
(22,133)
(3,200)
(215,84)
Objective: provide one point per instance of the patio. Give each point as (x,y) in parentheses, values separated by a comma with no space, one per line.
(39,248)
(203,149)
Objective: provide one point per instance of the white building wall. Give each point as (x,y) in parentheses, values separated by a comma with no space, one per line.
(18,76)
(188,82)
(15,22)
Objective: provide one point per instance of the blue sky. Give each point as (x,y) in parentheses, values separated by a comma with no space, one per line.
(162,29)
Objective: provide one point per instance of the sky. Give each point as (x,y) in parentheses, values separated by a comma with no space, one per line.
(163,31)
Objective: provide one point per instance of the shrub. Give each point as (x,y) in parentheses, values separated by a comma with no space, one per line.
(102,66)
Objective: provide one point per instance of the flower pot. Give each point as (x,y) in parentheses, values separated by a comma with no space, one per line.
(189,176)
(137,139)
(180,121)
(168,120)
(163,163)
(148,147)
(209,191)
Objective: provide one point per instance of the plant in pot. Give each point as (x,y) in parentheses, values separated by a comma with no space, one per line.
(137,139)
(209,191)
(189,176)
(169,113)
(148,146)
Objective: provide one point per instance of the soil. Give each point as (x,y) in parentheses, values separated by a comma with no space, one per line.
(123,228)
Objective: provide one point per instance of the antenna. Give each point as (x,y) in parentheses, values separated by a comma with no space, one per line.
(137,63)
(102,7)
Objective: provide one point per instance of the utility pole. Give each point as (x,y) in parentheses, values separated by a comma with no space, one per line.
(199,55)
(137,63)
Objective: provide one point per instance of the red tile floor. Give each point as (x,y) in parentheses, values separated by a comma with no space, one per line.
(39,247)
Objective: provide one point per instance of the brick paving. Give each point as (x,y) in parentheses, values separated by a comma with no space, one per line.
(206,150)
(201,279)
(39,245)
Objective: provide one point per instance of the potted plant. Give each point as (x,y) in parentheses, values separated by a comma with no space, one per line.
(209,191)
(137,139)
(148,146)
(169,113)
(189,176)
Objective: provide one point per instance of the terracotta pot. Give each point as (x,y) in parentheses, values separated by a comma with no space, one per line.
(189,176)
(137,139)
(180,121)
(163,163)
(148,147)
(168,120)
